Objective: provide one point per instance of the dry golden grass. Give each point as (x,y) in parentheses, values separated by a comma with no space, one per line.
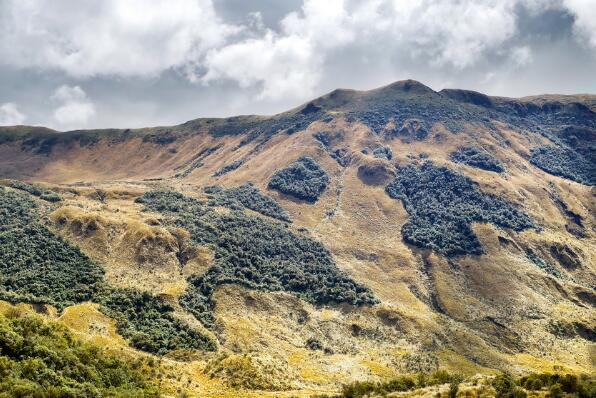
(473,314)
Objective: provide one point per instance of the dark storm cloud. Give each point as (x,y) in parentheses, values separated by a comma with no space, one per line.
(72,64)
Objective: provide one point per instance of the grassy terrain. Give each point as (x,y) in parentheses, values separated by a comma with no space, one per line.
(255,253)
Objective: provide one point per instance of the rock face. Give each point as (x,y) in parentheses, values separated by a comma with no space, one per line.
(363,234)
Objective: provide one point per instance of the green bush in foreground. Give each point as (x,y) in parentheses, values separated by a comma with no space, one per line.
(44,359)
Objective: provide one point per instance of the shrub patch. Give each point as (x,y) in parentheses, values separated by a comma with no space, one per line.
(304,179)
(442,204)
(246,196)
(476,157)
(565,162)
(37,266)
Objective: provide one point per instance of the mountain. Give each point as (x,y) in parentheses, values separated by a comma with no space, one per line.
(358,237)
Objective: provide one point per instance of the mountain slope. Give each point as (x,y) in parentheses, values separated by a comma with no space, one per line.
(441,229)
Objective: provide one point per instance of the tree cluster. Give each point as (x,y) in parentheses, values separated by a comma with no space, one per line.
(304,179)
(37,266)
(565,162)
(44,359)
(442,204)
(247,196)
(476,157)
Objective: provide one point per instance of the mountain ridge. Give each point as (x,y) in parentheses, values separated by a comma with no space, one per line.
(359,236)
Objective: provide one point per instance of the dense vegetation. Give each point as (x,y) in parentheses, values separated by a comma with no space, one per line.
(501,386)
(256,253)
(476,157)
(304,179)
(147,322)
(35,190)
(35,264)
(43,359)
(565,162)
(39,267)
(362,389)
(247,196)
(442,204)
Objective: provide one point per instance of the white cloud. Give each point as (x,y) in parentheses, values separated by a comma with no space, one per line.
(585,19)
(75,110)
(137,38)
(112,37)
(10,115)
(521,56)
(290,63)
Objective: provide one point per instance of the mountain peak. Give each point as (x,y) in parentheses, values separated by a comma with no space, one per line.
(409,85)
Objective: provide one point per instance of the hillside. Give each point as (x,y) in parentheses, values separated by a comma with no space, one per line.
(361,236)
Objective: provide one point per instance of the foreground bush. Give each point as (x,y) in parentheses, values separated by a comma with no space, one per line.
(442,204)
(256,253)
(304,179)
(43,359)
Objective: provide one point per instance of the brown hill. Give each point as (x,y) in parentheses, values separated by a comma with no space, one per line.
(468,218)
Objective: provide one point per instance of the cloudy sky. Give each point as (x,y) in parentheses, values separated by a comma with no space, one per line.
(130,63)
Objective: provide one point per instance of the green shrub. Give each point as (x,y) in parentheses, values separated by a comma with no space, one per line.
(476,157)
(565,162)
(582,386)
(23,186)
(304,179)
(37,265)
(51,197)
(148,322)
(256,253)
(43,359)
(36,191)
(442,204)
(506,387)
(249,196)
